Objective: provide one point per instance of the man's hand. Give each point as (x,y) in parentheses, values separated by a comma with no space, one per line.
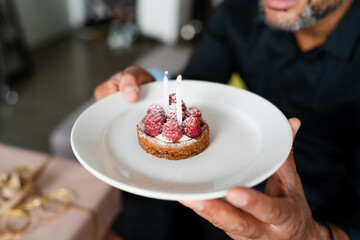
(282,212)
(127,82)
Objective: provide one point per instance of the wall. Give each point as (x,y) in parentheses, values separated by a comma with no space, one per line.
(43,20)
(162,19)
(77,12)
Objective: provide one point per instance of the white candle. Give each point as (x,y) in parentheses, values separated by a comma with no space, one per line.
(178,100)
(166,91)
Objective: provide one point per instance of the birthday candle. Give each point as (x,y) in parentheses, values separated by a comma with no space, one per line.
(178,100)
(166,91)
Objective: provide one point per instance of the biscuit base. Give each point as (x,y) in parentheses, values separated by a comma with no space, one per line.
(174,151)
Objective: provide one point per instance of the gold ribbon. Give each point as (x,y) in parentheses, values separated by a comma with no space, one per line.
(20,212)
(17,221)
(10,226)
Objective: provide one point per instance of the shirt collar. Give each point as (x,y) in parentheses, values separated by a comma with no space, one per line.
(342,40)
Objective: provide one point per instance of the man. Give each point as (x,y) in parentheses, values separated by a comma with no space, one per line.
(303,56)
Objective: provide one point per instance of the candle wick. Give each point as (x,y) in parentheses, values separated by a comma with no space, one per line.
(178,79)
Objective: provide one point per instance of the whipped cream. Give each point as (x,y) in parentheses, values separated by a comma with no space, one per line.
(184,138)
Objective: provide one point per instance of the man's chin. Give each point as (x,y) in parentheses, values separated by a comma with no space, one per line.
(292,19)
(286,20)
(282,21)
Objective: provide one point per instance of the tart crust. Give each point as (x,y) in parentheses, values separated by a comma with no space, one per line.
(173,151)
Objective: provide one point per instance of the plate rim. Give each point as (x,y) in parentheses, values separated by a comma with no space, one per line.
(173,196)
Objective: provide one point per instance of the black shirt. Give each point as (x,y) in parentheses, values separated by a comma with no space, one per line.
(321,87)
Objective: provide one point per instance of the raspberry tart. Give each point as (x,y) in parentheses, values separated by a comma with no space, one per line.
(160,134)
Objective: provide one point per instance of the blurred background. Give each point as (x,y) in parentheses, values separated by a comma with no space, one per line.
(53,54)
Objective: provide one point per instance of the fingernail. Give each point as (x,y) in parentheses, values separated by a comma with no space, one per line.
(195,205)
(131,92)
(238,199)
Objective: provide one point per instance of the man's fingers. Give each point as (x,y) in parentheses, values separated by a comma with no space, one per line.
(108,87)
(267,209)
(287,174)
(140,74)
(225,216)
(295,125)
(127,81)
(131,80)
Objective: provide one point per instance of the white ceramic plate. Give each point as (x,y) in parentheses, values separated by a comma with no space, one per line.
(249,140)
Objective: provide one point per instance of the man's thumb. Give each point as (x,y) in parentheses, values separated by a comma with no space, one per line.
(129,88)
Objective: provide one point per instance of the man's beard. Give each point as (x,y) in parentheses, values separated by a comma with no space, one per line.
(306,18)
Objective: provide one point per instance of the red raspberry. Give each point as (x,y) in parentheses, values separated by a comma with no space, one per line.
(155,109)
(170,113)
(193,111)
(191,127)
(172,100)
(172,131)
(153,124)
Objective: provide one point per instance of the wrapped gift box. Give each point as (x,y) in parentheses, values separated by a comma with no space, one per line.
(96,202)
